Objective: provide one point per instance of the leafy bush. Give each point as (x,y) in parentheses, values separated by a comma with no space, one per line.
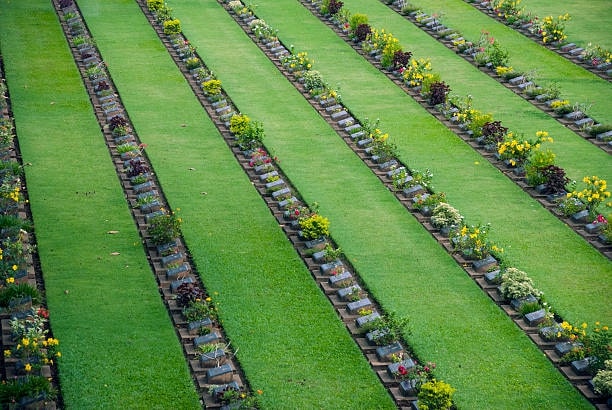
(515,284)
(314,226)
(445,215)
(603,380)
(172,26)
(164,228)
(435,395)
(356,20)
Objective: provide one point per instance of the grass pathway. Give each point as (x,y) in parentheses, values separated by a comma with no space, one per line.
(272,310)
(400,262)
(487,197)
(115,334)
(576,84)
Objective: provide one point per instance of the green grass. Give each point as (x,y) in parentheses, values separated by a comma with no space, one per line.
(575,83)
(404,268)
(289,340)
(589,23)
(118,344)
(529,234)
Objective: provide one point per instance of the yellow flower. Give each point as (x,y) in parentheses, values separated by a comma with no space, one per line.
(7,353)
(28,367)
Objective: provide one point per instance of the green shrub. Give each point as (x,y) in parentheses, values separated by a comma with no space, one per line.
(435,395)
(314,226)
(172,26)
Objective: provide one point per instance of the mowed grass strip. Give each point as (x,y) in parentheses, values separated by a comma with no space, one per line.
(453,322)
(573,275)
(288,338)
(575,83)
(118,344)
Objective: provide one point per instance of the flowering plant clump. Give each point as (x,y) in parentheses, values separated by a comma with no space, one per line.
(314,226)
(596,55)
(389,51)
(445,215)
(435,395)
(297,63)
(249,133)
(263,30)
(416,71)
(472,241)
(198,309)
(509,10)
(34,347)
(602,382)
(313,82)
(552,29)
(172,26)
(418,375)
(515,284)
(164,228)
(517,151)
(212,87)
(594,194)
(429,200)
(561,107)
(595,343)
(490,51)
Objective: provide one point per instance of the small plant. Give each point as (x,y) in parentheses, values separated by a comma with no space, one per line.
(314,226)
(552,29)
(429,200)
(313,82)
(435,395)
(554,178)
(438,92)
(334,7)
(517,151)
(561,107)
(515,284)
(17,389)
(595,193)
(445,216)
(12,292)
(401,59)
(356,20)
(193,63)
(386,329)
(188,293)
(472,242)
(164,228)
(331,253)
(198,309)
(155,5)
(602,382)
(172,26)
(493,132)
(362,32)
(417,375)
(212,88)
(416,72)
(536,164)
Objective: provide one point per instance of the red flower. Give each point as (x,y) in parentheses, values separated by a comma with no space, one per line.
(402,370)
